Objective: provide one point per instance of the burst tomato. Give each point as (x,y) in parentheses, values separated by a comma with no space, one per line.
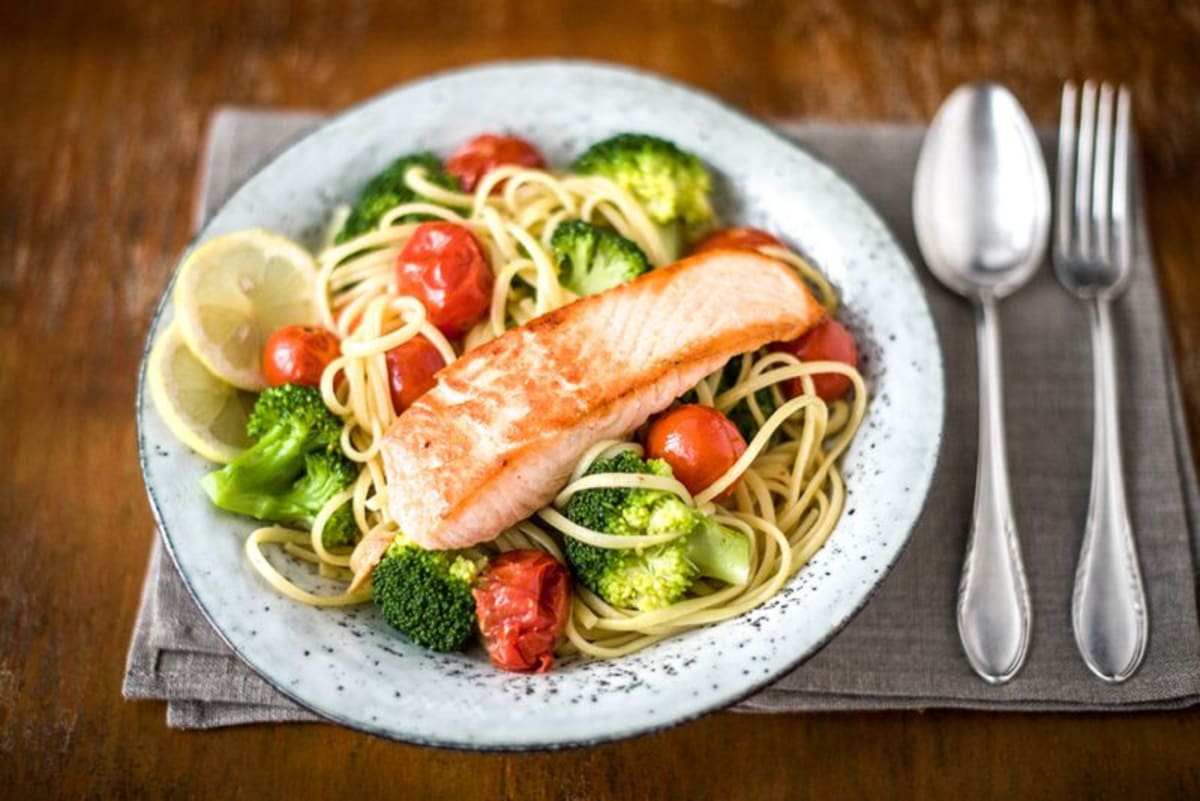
(298,354)
(829,341)
(411,369)
(699,443)
(744,238)
(443,266)
(488,151)
(522,600)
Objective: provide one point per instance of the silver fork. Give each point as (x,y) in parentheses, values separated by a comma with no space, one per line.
(1093,257)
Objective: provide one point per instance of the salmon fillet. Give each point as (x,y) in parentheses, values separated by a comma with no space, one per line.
(499,434)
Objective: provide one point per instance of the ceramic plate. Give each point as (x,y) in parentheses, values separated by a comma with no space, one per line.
(348,666)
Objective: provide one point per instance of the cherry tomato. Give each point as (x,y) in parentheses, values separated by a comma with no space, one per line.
(411,368)
(485,152)
(829,341)
(443,266)
(298,354)
(699,443)
(522,600)
(744,238)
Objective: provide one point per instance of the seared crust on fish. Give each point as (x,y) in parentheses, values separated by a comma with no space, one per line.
(498,436)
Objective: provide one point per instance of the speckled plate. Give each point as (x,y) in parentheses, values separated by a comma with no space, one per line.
(347,665)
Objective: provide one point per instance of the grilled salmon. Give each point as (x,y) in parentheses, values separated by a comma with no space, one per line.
(500,433)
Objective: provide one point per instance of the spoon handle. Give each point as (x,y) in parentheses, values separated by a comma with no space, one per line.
(993,599)
(1109,604)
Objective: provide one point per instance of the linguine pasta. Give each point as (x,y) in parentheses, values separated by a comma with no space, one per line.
(790,494)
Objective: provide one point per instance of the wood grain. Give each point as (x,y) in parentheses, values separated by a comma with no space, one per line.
(102,109)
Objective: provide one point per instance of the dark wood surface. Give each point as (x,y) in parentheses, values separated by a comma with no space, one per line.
(102,106)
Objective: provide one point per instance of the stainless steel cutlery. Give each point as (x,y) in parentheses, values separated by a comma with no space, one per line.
(1093,242)
(981,205)
(981,209)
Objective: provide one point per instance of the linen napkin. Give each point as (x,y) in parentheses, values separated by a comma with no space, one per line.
(902,650)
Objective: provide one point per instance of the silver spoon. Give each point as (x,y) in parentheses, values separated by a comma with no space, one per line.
(981,205)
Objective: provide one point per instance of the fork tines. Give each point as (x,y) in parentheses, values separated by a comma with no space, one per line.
(1092,218)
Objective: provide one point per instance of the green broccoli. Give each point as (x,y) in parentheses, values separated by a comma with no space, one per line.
(671,184)
(292,469)
(286,424)
(426,594)
(341,530)
(658,575)
(740,415)
(326,473)
(591,259)
(388,189)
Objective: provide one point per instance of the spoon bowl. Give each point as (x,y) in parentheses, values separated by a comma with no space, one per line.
(981,198)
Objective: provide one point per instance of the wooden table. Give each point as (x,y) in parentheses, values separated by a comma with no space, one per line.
(102,106)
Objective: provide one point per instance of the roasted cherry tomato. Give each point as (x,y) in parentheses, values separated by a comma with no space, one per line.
(411,368)
(699,443)
(298,354)
(522,600)
(443,266)
(485,152)
(744,238)
(828,342)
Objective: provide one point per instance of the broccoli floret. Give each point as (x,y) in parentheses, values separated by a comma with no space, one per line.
(293,467)
(740,415)
(295,412)
(388,189)
(592,260)
(659,575)
(341,531)
(606,509)
(326,473)
(743,418)
(671,184)
(426,594)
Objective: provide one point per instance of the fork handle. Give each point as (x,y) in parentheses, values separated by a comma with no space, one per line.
(993,598)
(1108,608)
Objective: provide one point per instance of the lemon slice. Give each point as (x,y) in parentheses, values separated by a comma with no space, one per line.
(233,292)
(202,411)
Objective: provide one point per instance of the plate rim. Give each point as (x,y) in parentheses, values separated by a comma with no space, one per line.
(922,486)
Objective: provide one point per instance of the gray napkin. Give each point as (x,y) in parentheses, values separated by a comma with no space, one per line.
(902,650)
